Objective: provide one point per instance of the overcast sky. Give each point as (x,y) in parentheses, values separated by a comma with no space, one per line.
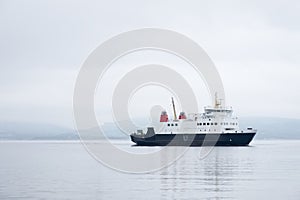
(254,45)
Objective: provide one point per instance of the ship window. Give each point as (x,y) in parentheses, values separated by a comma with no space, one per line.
(168,124)
(176,124)
(204,124)
(216,123)
(211,123)
(200,124)
(172,124)
(209,119)
(221,123)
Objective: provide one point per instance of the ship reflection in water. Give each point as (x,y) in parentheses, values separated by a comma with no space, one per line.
(216,176)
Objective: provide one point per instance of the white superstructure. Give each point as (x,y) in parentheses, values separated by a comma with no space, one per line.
(217,119)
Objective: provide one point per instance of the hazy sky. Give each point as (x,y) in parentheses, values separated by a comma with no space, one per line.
(254,45)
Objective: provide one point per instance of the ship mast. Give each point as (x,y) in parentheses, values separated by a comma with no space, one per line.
(217,101)
(174,110)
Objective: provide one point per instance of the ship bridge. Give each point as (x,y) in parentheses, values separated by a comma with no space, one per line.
(224,110)
(218,109)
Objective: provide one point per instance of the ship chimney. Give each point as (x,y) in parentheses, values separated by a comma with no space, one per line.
(164,116)
(182,115)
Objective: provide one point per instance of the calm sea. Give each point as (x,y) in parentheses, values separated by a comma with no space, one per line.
(64,170)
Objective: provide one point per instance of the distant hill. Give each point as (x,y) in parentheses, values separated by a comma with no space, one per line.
(38,131)
(268,128)
(110,130)
(35,131)
(273,128)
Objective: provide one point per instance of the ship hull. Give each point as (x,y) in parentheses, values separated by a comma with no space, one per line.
(211,139)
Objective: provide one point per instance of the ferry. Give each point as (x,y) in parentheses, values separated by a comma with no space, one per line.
(217,126)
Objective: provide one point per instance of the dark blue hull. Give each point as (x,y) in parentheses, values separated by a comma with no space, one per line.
(222,139)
